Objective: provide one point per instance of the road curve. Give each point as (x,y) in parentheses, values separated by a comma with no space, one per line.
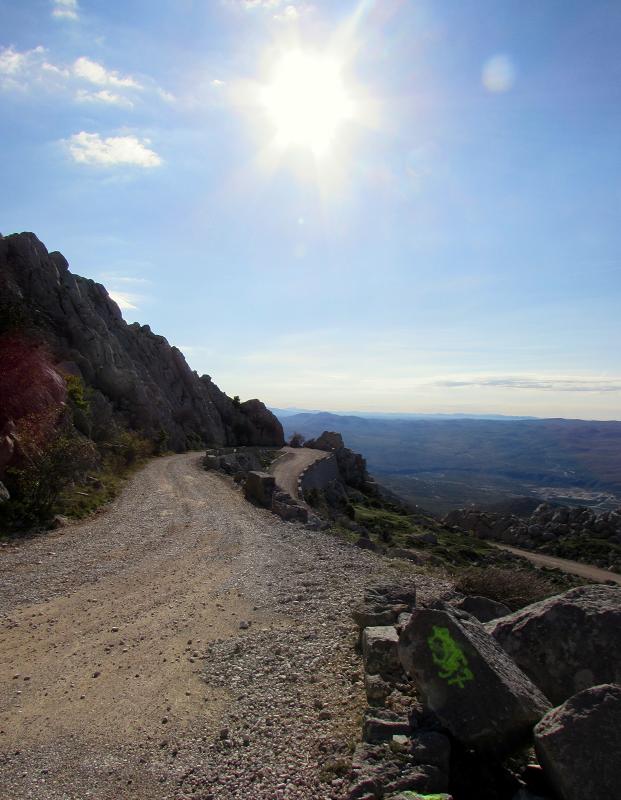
(180,644)
(291,464)
(586,571)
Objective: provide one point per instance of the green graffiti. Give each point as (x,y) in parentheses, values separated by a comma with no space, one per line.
(447,655)
(417,796)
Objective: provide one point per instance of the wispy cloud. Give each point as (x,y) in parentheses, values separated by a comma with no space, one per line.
(540,383)
(96,73)
(92,148)
(84,79)
(65,9)
(15,65)
(103,96)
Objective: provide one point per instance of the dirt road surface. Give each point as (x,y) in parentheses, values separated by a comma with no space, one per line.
(289,466)
(182,644)
(594,574)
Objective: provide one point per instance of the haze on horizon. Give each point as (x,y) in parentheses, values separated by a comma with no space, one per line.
(381,206)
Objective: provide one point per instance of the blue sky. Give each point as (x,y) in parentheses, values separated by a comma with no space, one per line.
(455,246)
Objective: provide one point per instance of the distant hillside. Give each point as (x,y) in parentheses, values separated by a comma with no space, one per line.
(442,464)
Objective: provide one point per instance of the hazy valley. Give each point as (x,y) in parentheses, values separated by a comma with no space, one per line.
(441,464)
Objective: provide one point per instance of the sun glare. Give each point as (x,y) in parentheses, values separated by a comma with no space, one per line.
(307,101)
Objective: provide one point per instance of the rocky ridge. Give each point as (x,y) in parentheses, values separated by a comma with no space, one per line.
(134,375)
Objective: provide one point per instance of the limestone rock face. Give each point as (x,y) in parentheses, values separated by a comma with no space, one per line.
(568,642)
(469,682)
(578,744)
(148,382)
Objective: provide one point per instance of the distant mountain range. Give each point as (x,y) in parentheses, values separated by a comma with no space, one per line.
(281,413)
(443,463)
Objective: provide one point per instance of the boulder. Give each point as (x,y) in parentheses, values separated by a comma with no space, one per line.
(578,744)
(482,608)
(260,487)
(4,493)
(479,695)
(568,642)
(380,651)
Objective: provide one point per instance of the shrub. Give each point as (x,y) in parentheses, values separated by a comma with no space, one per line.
(515,588)
(297,440)
(36,486)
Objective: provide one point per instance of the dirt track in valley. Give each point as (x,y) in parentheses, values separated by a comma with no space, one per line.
(127,669)
(586,571)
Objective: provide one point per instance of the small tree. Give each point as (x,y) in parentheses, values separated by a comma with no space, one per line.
(297,440)
(236,401)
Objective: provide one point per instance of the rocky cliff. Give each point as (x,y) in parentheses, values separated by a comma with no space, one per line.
(131,372)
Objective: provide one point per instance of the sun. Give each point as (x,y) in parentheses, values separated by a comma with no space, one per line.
(307,101)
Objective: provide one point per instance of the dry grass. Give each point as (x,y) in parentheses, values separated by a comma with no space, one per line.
(515,588)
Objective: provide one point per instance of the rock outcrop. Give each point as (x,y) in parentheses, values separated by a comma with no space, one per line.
(579,744)
(352,466)
(469,682)
(145,382)
(566,643)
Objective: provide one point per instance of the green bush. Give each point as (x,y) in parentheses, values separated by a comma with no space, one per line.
(36,485)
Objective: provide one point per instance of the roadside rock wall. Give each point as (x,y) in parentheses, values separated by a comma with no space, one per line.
(319,474)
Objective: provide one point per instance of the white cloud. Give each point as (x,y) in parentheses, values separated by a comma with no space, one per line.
(554,383)
(34,70)
(96,73)
(65,9)
(103,96)
(91,148)
(217,82)
(15,66)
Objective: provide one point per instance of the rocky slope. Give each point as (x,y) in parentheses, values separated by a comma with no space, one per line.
(133,374)
(576,533)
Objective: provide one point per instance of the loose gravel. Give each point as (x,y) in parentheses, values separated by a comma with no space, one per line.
(235,625)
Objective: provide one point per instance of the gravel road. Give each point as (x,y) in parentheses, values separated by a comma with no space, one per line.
(289,466)
(181,644)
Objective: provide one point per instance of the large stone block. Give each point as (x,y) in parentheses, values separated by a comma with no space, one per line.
(380,650)
(260,487)
(578,745)
(568,642)
(469,682)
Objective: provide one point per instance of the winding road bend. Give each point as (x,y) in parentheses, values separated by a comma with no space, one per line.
(291,464)
(181,644)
